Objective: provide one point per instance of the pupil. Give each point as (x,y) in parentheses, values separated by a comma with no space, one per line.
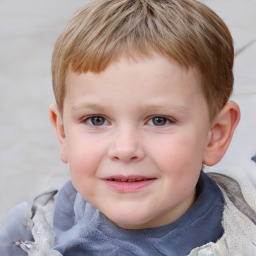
(158,121)
(98,120)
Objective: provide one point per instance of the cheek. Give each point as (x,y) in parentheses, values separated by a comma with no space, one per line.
(84,155)
(84,160)
(180,155)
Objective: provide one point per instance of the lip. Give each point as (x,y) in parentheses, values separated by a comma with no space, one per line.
(128,184)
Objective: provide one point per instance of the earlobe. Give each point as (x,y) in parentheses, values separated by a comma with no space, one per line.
(221,133)
(56,120)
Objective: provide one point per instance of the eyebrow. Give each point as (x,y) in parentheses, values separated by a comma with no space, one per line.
(91,106)
(144,108)
(163,107)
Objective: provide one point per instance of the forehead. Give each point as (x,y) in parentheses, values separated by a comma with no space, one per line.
(145,83)
(156,68)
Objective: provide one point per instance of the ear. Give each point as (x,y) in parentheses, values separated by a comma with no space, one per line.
(57,122)
(221,133)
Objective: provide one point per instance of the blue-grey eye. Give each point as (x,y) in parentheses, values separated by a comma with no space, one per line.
(96,120)
(159,121)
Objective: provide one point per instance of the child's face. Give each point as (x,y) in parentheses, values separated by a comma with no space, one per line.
(135,137)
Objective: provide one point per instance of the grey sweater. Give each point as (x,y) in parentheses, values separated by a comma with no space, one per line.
(83,230)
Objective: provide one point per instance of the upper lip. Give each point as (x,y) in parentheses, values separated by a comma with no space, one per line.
(130,178)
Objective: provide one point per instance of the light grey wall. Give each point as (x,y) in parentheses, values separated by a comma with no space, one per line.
(29,155)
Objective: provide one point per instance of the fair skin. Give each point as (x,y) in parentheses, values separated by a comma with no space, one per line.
(135,137)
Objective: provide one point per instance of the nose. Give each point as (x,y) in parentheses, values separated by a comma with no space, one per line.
(126,146)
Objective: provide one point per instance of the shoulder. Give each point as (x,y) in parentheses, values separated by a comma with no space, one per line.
(238,220)
(27,226)
(15,228)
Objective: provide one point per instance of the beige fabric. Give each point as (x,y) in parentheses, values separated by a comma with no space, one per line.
(239,238)
(41,227)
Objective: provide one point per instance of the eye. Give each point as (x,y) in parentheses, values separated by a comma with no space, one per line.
(96,120)
(159,121)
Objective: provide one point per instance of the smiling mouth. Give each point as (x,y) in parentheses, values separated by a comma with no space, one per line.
(129,180)
(123,184)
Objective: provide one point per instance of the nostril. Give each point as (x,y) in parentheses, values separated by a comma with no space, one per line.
(133,158)
(115,158)
(125,158)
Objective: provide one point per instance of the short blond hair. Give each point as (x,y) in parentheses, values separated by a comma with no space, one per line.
(185,30)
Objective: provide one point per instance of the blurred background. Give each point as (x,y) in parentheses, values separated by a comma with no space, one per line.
(29,152)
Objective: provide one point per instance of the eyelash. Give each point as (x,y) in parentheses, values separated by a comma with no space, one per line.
(90,120)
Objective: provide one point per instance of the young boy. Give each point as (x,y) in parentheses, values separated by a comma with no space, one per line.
(142,91)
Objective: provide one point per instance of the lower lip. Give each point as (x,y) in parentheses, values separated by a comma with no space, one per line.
(128,187)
